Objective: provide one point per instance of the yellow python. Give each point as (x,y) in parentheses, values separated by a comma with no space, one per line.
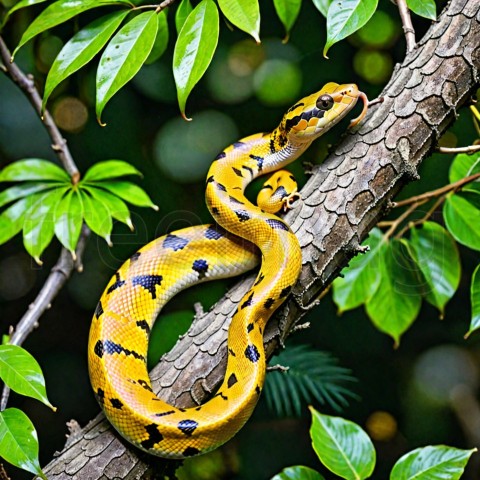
(133,298)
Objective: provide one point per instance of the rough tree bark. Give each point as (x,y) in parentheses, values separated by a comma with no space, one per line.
(342,201)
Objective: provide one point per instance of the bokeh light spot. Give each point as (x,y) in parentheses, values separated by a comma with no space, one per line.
(375,67)
(184,150)
(19,269)
(381,426)
(70,114)
(48,49)
(380,31)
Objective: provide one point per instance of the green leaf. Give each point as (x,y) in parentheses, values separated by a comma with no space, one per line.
(21,372)
(362,276)
(342,446)
(19,441)
(287,11)
(345,17)
(68,221)
(183,11)
(124,56)
(115,206)
(18,6)
(12,218)
(322,6)
(24,190)
(462,217)
(59,12)
(129,192)
(244,14)
(396,302)
(194,49)
(475,298)
(82,47)
(109,169)
(97,217)
(298,473)
(464,165)
(424,8)
(33,169)
(39,224)
(161,40)
(432,463)
(437,256)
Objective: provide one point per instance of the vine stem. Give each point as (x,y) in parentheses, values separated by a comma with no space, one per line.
(407,24)
(467,149)
(65,263)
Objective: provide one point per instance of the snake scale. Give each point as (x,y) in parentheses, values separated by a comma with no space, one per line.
(243,234)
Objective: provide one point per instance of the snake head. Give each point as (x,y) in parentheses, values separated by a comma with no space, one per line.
(314,115)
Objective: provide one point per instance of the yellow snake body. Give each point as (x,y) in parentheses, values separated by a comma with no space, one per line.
(133,298)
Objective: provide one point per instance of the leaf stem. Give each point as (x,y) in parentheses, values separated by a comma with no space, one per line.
(158,7)
(468,149)
(407,24)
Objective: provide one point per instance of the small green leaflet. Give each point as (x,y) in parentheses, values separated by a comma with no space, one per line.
(97,217)
(475,299)
(342,446)
(129,192)
(19,441)
(21,372)
(183,11)
(432,463)
(68,221)
(345,17)
(396,302)
(59,12)
(424,8)
(461,212)
(24,190)
(18,6)
(124,56)
(322,6)
(436,254)
(298,473)
(161,41)
(362,276)
(287,11)
(82,47)
(12,218)
(194,49)
(109,169)
(33,169)
(244,14)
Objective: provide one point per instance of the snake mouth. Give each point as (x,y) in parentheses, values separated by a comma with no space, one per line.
(357,120)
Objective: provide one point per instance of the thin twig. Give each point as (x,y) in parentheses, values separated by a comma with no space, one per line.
(407,24)
(468,149)
(27,85)
(402,217)
(439,191)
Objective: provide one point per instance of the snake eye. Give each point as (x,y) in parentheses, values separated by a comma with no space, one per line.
(325,102)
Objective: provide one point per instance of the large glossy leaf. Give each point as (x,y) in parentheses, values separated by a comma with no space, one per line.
(244,14)
(24,190)
(33,169)
(432,463)
(298,473)
(59,12)
(97,216)
(161,40)
(39,224)
(129,192)
(475,299)
(287,11)
(18,6)
(322,6)
(124,56)
(183,11)
(68,221)
(437,256)
(345,17)
(115,205)
(12,218)
(21,372)
(396,302)
(462,218)
(362,276)
(464,165)
(342,446)
(109,169)
(194,49)
(424,8)
(19,441)
(83,46)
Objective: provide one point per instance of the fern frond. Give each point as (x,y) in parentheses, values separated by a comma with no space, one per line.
(313,376)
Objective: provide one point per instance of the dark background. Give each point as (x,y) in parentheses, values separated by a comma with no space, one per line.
(246,89)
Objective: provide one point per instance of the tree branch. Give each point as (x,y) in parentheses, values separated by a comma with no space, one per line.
(342,201)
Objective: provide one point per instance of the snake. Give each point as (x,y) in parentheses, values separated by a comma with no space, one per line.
(242,236)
